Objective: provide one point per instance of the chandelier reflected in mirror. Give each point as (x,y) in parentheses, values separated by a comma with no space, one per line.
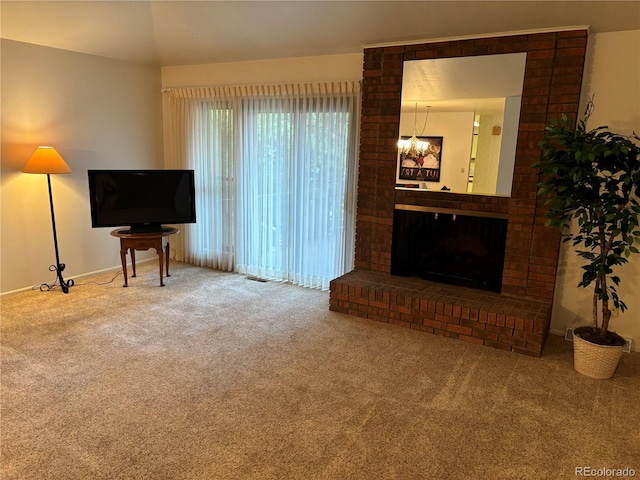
(419,156)
(414,146)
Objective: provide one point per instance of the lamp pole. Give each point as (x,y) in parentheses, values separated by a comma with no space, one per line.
(59,267)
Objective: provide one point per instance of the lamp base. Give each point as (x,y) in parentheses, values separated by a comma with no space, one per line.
(64,284)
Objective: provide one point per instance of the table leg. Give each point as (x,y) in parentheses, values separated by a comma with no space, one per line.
(133,260)
(160,261)
(123,258)
(167,250)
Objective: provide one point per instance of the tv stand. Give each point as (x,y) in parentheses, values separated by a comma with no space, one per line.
(133,241)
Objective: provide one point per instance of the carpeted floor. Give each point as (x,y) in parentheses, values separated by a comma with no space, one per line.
(216,376)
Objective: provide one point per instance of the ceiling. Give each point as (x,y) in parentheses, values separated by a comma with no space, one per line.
(463,84)
(187,33)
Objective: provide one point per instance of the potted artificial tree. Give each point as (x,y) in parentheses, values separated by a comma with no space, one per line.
(591,182)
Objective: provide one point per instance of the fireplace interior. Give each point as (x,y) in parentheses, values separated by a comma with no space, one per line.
(453,247)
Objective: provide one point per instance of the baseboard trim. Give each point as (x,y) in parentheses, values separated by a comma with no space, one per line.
(79,276)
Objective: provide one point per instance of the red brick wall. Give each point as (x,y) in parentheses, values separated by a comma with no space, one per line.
(552,82)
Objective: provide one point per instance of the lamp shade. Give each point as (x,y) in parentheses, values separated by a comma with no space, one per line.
(46,160)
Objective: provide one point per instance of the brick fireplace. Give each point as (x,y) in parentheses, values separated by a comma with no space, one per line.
(517,319)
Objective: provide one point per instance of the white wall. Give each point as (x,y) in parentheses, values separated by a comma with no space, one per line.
(97,113)
(284,70)
(612,73)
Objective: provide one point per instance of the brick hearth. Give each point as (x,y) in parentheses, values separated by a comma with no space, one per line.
(552,83)
(484,318)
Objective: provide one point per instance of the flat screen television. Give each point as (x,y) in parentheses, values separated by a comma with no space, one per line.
(143,200)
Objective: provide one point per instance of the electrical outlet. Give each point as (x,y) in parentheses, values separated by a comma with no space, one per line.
(568,335)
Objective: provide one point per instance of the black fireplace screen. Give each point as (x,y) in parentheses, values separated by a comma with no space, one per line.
(456,249)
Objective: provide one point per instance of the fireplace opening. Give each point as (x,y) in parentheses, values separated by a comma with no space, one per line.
(457,248)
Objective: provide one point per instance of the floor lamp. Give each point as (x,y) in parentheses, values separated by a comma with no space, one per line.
(46,160)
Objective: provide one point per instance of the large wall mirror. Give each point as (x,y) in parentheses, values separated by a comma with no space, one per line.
(459,123)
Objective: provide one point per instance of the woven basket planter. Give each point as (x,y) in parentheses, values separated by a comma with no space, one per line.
(593,360)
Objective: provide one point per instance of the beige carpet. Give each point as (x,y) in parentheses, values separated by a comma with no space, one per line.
(219,377)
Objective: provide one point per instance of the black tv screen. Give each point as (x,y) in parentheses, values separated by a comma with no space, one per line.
(141,199)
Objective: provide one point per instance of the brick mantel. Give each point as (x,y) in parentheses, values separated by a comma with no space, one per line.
(552,84)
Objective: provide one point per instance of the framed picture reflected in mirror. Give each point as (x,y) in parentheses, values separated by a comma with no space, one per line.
(419,159)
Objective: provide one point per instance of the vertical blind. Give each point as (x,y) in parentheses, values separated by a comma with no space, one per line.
(275,169)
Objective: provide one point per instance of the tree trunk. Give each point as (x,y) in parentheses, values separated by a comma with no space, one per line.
(606,313)
(595,305)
